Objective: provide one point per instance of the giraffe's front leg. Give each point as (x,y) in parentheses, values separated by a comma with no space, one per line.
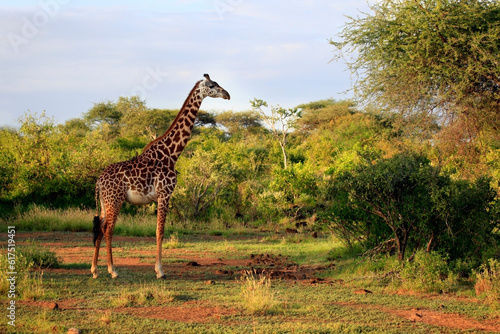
(111,267)
(97,245)
(160,230)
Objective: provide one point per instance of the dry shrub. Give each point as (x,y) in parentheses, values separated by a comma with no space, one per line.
(258,298)
(488,282)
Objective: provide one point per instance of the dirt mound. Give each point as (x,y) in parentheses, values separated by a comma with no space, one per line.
(281,267)
(269,260)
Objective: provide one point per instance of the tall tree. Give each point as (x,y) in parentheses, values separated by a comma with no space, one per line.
(424,57)
(280,121)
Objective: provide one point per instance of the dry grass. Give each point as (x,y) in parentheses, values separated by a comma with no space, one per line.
(488,282)
(257,295)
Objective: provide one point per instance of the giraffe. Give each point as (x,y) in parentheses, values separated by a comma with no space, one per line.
(148,177)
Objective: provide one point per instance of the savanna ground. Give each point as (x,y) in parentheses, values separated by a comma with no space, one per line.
(244,281)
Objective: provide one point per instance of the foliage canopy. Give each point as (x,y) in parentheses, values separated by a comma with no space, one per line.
(436,57)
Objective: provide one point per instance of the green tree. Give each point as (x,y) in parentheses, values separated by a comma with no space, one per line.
(203,176)
(280,121)
(238,121)
(407,199)
(76,128)
(9,140)
(323,114)
(111,116)
(424,57)
(147,124)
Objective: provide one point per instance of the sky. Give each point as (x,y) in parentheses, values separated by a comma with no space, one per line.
(63,56)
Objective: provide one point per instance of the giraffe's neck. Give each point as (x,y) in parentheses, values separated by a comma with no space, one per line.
(170,145)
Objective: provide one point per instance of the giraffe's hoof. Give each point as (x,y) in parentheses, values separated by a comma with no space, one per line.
(115,275)
(161,276)
(95,276)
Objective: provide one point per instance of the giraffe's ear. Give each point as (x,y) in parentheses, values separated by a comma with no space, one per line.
(207,77)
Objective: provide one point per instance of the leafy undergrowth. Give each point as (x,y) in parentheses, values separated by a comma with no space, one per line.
(259,283)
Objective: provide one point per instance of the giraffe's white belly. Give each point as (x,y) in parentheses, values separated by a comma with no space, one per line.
(138,198)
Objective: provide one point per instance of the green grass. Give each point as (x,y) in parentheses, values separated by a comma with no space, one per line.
(201,301)
(251,303)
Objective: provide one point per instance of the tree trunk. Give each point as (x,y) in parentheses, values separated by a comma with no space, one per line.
(401,244)
(428,249)
(284,155)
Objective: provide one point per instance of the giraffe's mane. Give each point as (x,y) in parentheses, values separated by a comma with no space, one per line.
(175,120)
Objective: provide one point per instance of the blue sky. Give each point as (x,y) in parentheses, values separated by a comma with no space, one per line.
(62,56)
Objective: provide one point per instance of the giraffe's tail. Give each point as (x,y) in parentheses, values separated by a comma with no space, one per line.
(96,230)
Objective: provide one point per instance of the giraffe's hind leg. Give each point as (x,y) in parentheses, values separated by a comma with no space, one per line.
(97,245)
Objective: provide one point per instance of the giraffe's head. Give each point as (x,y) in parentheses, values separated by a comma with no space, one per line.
(212,89)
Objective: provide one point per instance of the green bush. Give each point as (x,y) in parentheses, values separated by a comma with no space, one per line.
(203,178)
(428,272)
(407,199)
(28,283)
(38,256)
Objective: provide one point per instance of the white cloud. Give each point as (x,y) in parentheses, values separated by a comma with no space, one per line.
(93,51)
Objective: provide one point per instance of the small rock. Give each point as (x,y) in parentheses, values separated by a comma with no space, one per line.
(53,306)
(362,292)
(415,316)
(210,282)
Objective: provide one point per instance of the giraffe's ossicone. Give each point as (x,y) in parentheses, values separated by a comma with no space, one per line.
(149,177)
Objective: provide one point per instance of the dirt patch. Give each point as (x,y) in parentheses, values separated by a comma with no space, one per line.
(447,320)
(435,318)
(195,312)
(184,313)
